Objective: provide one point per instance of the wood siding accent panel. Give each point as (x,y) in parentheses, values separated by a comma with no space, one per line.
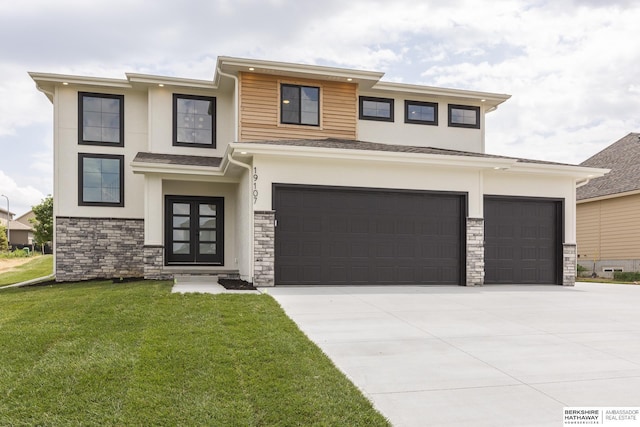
(260,105)
(609,229)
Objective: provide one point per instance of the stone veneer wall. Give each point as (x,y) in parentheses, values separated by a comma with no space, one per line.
(264,248)
(92,248)
(569,258)
(154,262)
(475,251)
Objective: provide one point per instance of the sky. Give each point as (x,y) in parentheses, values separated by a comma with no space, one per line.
(572,67)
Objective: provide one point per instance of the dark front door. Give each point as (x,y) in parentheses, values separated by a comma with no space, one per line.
(341,236)
(523,240)
(194,230)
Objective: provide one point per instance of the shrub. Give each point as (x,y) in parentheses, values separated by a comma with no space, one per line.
(626,276)
(18,253)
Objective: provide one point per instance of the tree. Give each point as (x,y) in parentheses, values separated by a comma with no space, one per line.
(4,242)
(43,222)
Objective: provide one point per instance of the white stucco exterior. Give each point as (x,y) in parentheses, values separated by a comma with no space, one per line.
(245,172)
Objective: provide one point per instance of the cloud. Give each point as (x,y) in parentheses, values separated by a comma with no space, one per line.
(21,197)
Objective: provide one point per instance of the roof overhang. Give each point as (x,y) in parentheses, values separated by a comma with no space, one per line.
(609,196)
(480,162)
(235,66)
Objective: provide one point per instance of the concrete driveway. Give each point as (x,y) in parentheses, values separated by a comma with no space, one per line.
(485,356)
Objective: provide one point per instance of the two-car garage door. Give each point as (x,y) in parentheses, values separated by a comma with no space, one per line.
(341,236)
(346,236)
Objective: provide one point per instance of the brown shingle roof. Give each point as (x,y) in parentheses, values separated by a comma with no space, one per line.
(178,159)
(623,158)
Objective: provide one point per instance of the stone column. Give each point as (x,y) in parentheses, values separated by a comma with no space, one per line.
(475,251)
(153,263)
(264,234)
(569,251)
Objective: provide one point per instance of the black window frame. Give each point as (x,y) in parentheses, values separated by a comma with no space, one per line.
(468,108)
(81,157)
(213,102)
(81,139)
(299,122)
(389,101)
(407,118)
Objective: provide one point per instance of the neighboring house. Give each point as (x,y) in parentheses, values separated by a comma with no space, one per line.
(21,231)
(297,174)
(608,210)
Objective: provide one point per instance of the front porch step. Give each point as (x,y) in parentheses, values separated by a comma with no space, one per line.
(201,278)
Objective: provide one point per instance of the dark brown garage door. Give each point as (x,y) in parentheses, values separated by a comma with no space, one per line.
(337,236)
(523,240)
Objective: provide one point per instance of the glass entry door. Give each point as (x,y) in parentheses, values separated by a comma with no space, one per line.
(194,230)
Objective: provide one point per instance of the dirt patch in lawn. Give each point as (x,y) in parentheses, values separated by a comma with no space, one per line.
(236,284)
(11,263)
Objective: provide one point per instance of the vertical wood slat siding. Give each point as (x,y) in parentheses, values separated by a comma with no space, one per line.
(609,229)
(259,106)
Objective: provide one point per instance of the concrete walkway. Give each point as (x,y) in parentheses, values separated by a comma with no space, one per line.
(485,356)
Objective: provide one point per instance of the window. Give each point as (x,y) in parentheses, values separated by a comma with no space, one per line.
(100,180)
(194,123)
(424,113)
(300,105)
(100,119)
(464,116)
(376,109)
(194,230)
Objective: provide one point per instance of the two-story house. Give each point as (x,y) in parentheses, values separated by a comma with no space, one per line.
(297,174)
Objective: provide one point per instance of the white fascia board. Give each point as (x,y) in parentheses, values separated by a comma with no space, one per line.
(149,79)
(370,155)
(162,168)
(56,79)
(578,172)
(235,65)
(490,98)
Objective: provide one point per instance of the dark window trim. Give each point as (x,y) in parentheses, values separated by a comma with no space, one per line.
(81,202)
(168,240)
(468,108)
(213,101)
(434,105)
(390,101)
(300,111)
(81,140)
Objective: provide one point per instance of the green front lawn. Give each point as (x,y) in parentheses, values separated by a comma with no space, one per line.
(40,266)
(134,354)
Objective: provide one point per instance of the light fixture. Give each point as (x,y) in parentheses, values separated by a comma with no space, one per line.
(65,84)
(483,100)
(285,101)
(161,84)
(349,79)
(251,69)
(243,152)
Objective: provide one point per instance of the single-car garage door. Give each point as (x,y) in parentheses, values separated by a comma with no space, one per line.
(340,236)
(523,240)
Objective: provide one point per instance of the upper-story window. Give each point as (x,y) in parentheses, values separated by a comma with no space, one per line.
(194,121)
(100,180)
(300,105)
(100,119)
(376,109)
(424,113)
(464,116)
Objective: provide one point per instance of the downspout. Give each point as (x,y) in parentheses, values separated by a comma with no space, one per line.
(582,183)
(252,216)
(236,101)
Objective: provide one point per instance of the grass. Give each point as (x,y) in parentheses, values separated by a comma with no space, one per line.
(40,266)
(603,280)
(107,354)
